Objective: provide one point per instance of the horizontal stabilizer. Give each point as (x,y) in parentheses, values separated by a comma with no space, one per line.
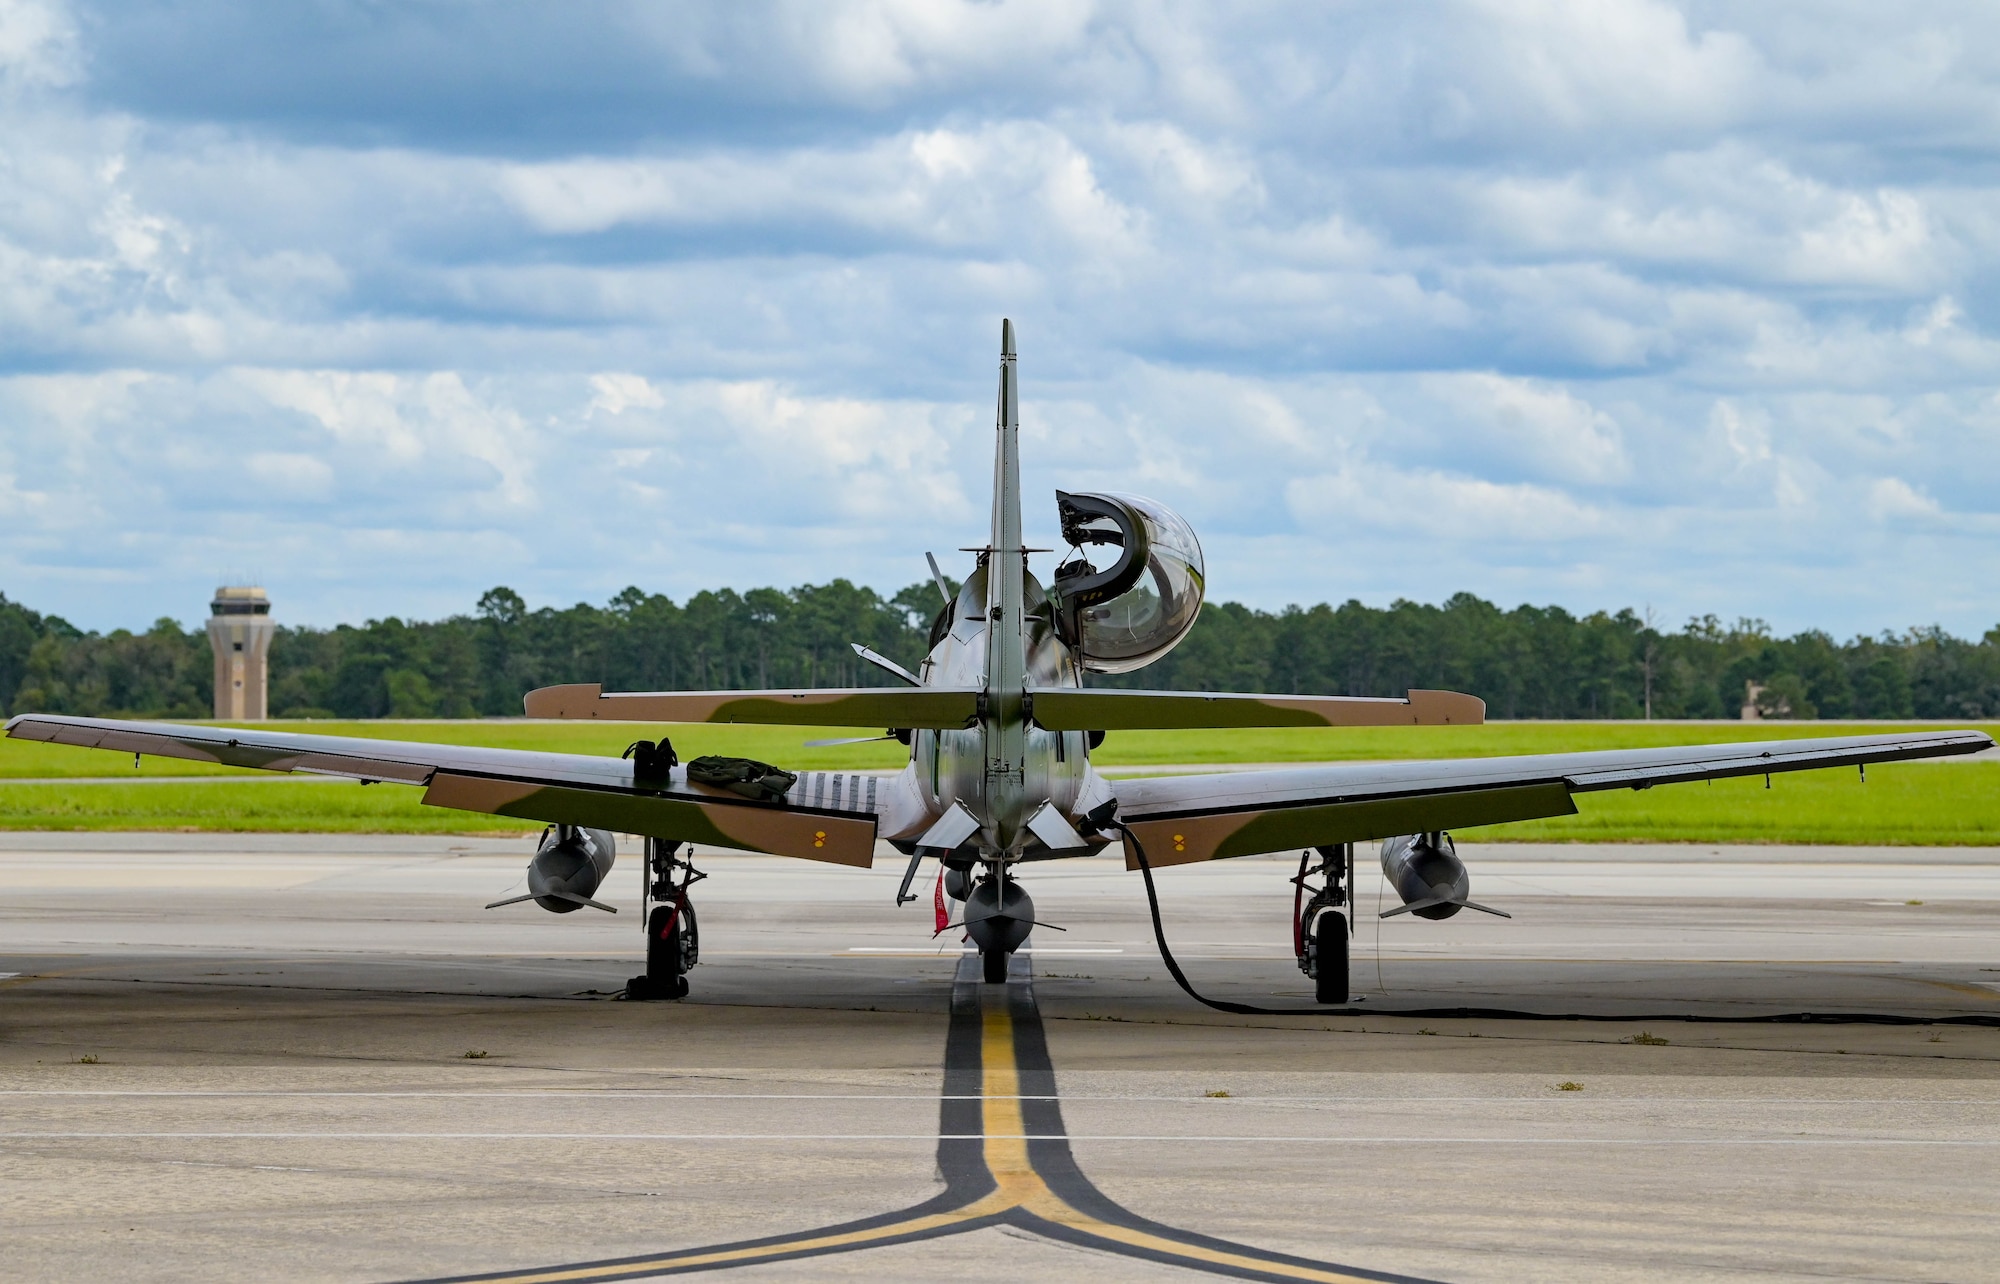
(1096,709)
(940,707)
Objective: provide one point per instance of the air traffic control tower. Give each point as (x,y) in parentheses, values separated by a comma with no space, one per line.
(240,628)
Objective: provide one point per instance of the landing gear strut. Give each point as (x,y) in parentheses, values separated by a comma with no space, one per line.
(1319,929)
(673,940)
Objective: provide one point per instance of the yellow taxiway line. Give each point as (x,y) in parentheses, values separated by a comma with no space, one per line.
(1011,1188)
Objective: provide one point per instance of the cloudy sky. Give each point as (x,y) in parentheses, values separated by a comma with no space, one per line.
(1600,304)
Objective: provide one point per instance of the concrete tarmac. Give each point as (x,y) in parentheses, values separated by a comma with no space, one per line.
(247,1056)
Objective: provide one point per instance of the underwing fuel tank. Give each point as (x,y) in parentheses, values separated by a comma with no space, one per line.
(570,864)
(1426,872)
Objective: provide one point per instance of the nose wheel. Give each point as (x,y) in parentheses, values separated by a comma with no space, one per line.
(994,963)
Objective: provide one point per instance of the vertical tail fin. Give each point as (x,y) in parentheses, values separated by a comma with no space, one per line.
(1006,597)
(1007,453)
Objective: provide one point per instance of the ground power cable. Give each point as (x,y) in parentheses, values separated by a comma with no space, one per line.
(1167,955)
(1107,821)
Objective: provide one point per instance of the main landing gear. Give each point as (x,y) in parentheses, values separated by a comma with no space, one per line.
(673,939)
(1319,929)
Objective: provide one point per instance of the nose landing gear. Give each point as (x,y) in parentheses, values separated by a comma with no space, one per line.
(673,939)
(1319,929)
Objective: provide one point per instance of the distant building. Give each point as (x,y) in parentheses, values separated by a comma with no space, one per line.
(1751,692)
(240,628)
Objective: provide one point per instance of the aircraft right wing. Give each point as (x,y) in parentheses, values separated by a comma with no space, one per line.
(1110,709)
(1193,818)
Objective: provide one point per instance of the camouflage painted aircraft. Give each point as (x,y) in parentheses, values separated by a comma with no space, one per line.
(1000,727)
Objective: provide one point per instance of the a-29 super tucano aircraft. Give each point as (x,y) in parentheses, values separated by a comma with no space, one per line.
(1000,729)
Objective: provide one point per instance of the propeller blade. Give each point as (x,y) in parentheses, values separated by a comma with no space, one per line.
(846,740)
(1427,902)
(574,899)
(512,900)
(885,664)
(1015,918)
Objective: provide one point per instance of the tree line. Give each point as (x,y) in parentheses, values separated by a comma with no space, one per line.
(1529,662)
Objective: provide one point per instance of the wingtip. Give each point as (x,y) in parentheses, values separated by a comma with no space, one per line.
(1446,708)
(571,700)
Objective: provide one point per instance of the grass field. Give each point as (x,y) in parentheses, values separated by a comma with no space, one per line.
(1912,803)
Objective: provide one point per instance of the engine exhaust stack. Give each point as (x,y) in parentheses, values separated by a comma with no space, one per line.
(1426,872)
(570,863)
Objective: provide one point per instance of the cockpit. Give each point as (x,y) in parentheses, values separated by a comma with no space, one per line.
(1143,602)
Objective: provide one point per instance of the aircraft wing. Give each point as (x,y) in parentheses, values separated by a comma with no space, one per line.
(1108,709)
(1193,818)
(829,816)
(942,707)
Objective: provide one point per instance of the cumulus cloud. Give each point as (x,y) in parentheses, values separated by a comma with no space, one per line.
(1435,507)
(1892,498)
(38,45)
(1566,300)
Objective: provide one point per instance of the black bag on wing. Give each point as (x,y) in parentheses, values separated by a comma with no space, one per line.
(757,781)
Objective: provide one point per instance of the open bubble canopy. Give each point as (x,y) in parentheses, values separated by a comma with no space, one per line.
(1138,609)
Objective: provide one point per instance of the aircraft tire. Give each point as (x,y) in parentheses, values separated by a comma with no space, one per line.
(995,962)
(644,988)
(665,954)
(1330,959)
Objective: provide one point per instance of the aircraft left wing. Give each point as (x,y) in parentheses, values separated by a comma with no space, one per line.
(1181,819)
(826,816)
(940,707)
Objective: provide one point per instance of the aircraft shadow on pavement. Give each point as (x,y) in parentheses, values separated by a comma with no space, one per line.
(1005,1158)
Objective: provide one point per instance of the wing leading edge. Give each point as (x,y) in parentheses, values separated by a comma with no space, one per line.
(826,816)
(1108,709)
(934,707)
(1183,819)
(1057,709)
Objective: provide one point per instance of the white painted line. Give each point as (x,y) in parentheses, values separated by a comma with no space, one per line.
(1565,1100)
(908,949)
(1000,1136)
